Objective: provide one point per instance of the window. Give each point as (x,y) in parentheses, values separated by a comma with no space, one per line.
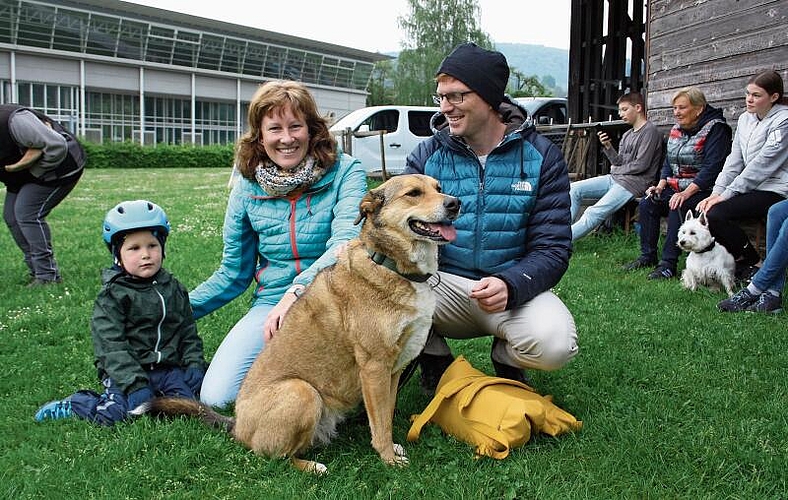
(419,122)
(103,35)
(383,120)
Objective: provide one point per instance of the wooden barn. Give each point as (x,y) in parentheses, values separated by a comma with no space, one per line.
(659,46)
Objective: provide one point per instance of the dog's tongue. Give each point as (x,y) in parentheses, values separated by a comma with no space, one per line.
(446,231)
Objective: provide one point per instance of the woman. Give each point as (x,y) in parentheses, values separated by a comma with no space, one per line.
(697,146)
(764,293)
(293,207)
(755,175)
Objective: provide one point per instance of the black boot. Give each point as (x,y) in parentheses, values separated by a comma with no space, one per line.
(432,368)
(507,371)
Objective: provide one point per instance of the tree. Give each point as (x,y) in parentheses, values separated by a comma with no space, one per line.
(380,91)
(433,28)
(525,86)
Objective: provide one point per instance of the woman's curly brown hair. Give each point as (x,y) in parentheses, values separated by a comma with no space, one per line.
(270,99)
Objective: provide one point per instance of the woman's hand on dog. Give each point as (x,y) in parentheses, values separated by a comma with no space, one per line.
(491,293)
(274,320)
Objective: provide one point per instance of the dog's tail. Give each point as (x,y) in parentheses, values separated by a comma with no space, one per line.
(174,407)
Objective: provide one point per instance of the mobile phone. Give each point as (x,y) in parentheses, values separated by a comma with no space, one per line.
(598,128)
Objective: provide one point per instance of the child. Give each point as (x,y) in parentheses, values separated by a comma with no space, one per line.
(144,335)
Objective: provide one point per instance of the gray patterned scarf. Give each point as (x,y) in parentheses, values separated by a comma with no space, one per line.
(278,182)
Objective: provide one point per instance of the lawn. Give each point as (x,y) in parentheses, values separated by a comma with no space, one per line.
(677,400)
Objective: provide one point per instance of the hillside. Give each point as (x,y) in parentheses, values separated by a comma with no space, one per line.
(534,60)
(538,60)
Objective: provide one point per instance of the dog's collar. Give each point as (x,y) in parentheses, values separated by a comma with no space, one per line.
(388,263)
(708,247)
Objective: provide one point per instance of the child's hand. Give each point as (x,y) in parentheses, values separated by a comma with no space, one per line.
(193,378)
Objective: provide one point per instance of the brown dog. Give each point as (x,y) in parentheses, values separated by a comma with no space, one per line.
(349,336)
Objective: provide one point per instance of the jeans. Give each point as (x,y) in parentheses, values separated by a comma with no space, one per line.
(234,357)
(25,215)
(112,406)
(651,211)
(771,276)
(540,334)
(611,196)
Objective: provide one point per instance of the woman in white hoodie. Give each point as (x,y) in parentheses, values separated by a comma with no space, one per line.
(755,174)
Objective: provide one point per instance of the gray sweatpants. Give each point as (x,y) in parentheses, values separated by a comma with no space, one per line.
(25,214)
(540,334)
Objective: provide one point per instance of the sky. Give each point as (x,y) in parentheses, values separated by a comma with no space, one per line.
(372,24)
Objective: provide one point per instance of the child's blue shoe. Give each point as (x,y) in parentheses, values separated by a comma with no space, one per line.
(55,410)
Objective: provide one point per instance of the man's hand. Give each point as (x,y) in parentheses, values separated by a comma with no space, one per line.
(491,293)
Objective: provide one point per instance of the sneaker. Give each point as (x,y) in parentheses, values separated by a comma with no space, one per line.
(507,371)
(639,263)
(662,272)
(740,301)
(55,410)
(432,368)
(768,303)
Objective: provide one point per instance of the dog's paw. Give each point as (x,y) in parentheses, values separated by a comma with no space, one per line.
(309,466)
(399,450)
(400,461)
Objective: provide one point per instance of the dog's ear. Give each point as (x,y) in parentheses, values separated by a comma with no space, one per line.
(702,219)
(370,204)
(689,216)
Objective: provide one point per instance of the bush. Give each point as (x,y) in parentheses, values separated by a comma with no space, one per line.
(131,155)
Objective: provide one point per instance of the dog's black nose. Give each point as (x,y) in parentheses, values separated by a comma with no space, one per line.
(452,204)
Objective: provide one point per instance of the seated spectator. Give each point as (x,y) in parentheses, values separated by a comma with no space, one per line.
(764,293)
(697,147)
(755,174)
(632,168)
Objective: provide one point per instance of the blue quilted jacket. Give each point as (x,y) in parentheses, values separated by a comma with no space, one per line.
(514,223)
(278,241)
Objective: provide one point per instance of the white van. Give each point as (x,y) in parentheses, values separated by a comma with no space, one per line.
(403,127)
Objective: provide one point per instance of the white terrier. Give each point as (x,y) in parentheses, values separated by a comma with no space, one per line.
(708,263)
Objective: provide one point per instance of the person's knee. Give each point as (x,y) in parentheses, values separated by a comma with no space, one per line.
(715,217)
(549,348)
(216,394)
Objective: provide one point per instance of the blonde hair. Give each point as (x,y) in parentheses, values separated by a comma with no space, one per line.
(271,98)
(693,95)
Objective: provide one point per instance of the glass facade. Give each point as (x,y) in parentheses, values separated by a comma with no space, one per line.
(118,115)
(48,26)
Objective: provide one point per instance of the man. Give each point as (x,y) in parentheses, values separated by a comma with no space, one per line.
(40,163)
(632,169)
(513,234)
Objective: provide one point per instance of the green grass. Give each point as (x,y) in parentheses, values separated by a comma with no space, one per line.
(677,400)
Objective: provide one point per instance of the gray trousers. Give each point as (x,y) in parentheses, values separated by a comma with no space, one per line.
(25,214)
(540,334)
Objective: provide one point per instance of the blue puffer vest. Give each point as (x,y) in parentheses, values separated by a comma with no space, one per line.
(492,227)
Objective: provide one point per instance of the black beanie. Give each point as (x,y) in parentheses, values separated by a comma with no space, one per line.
(483,71)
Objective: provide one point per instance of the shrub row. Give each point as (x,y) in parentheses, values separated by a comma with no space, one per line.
(132,155)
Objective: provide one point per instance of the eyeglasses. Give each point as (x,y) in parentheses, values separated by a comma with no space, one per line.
(452,97)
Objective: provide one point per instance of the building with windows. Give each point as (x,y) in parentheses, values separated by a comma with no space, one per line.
(115,71)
